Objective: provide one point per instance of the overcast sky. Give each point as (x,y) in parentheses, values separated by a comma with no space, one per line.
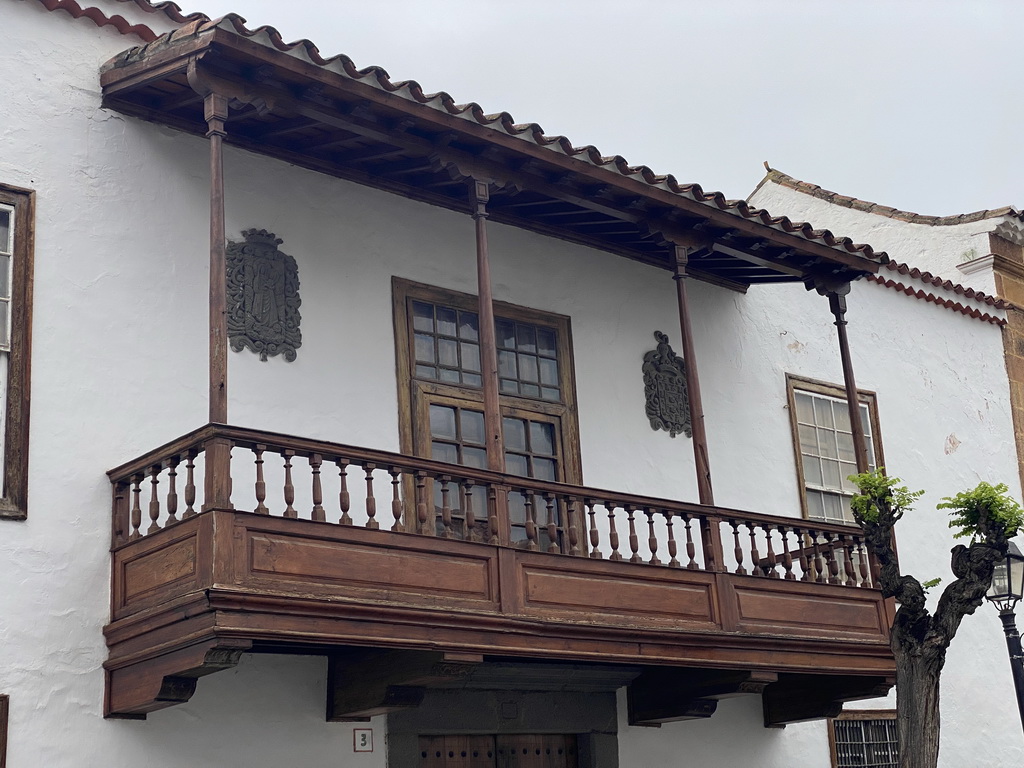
(916,105)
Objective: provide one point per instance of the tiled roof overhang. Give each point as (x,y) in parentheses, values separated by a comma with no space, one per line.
(356,124)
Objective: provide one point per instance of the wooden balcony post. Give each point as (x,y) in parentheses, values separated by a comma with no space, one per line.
(700,441)
(217,482)
(837,303)
(479,194)
(216,109)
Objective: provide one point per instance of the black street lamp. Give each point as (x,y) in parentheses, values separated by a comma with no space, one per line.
(1006,591)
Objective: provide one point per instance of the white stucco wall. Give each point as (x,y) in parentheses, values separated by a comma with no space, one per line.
(119,366)
(938,249)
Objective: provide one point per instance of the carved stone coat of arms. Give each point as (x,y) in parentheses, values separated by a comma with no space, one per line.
(263,296)
(668,404)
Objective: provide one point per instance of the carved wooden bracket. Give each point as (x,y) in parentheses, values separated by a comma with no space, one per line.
(667,695)
(797,698)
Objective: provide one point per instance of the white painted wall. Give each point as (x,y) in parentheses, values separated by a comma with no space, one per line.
(938,249)
(119,366)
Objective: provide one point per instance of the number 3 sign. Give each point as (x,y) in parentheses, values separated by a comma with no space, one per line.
(362,740)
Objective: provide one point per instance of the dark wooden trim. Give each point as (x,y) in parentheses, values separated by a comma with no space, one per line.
(818,387)
(216,114)
(837,303)
(853,714)
(5,708)
(14,503)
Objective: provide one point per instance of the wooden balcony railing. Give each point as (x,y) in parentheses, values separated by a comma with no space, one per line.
(292,477)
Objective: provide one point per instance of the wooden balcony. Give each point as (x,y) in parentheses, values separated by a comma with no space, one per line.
(409,573)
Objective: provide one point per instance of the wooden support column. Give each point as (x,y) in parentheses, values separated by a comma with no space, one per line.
(217,451)
(837,303)
(479,194)
(700,441)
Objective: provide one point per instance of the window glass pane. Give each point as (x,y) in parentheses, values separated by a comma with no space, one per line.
(444,452)
(546,342)
(834,506)
(5,230)
(5,277)
(845,446)
(823,413)
(510,385)
(808,439)
(846,470)
(506,333)
(470,357)
(804,408)
(815,506)
(550,394)
(426,372)
(530,390)
(449,375)
(515,464)
(526,336)
(442,422)
(515,434)
(473,427)
(527,368)
(543,469)
(423,317)
(542,438)
(507,364)
(474,457)
(448,353)
(842,415)
(446,322)
(830,474)
(471,379)
(548,372)
(827,443)
(424,348)
(812,470)
(468,330)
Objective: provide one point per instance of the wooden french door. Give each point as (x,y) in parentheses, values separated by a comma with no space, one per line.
(501,751)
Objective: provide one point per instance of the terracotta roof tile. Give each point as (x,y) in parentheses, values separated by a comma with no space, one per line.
(931,298)
(503,121)
(814,190)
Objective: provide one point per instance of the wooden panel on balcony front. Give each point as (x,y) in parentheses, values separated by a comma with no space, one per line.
(616,592)
(299,557)
(799,609)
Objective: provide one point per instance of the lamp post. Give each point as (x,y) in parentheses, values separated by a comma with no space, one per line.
(1006,591)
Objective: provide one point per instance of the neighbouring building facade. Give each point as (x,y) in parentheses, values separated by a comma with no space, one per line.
(348,426)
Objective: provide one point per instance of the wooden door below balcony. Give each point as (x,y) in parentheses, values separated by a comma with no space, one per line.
(501,751)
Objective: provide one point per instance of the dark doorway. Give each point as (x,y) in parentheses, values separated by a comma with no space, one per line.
(500,751)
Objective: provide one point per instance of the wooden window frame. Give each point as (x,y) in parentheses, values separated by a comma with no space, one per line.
(414,395)
(853,714)
(14,502)
(867,397)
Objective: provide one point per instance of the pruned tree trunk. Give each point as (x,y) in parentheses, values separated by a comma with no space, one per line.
(919,638)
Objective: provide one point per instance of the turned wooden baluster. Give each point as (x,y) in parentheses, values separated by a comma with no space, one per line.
(289,488)
(634,540)
(344,499)
(572,511)
(673,547)
(691,548)
(848,567)
(863,566)
(120,509)
(446,509)
(396,498)
(425,524)
(737,549)
(652,539)
(531,522)
(172,490)
(833,561)
(154,499)
(552,527)
(817,559)
(613,534)
(472,534)
(769,555)
(805,566)
(261,483)
(595,536)
(755,563)
(190,485)
(318,514)
(371,502)
(136,508)
(787,556)
(492,513)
